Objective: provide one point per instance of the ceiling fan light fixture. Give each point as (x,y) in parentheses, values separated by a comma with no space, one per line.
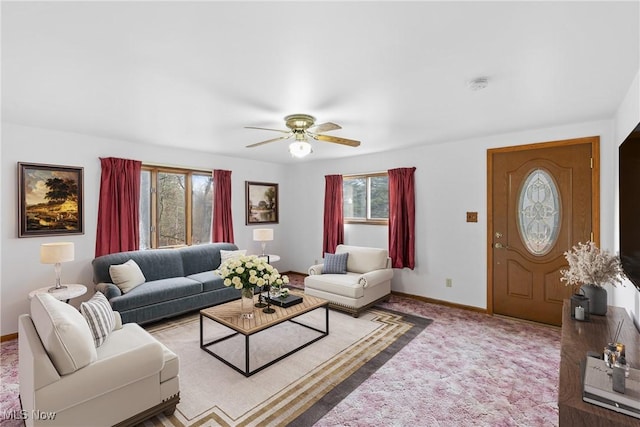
(301,127)
(300,149)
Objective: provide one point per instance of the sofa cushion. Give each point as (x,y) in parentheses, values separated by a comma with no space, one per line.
(364,259)
(210,280)
(99,316)
(346,285)
(199,258)
(150,293)
(155,264)
(64,333)
(126,276)
(335,263)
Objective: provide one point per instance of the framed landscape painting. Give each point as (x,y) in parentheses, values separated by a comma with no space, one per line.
(262,203)
(49,200)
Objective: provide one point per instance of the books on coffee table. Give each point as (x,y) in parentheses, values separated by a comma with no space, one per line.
(598,388)
(287,301)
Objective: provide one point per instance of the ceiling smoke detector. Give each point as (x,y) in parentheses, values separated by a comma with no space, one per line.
(478,84)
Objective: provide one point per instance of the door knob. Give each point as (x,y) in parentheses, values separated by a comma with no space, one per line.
(498,245)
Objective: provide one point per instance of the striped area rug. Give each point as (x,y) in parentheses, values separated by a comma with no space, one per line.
(297,390)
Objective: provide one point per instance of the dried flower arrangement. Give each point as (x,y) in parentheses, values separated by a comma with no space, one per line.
(589,265)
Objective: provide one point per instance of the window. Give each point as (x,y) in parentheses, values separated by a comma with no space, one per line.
(539,212)
(366,198)
(176,207)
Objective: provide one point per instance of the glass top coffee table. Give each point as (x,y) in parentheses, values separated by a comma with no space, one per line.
(229,315)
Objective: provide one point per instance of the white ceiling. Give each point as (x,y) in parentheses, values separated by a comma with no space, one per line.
(393,74)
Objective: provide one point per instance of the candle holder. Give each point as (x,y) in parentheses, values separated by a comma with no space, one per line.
(268,310)
(579,308)
(261,299)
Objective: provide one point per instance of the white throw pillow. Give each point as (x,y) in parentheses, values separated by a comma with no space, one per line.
(64,333)
(226,255)
(126,276)
(99,316)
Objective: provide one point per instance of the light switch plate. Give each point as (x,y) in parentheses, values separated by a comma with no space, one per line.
(472,216)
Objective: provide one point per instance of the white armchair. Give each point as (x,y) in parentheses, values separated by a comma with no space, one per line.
(128,378)
(366,282)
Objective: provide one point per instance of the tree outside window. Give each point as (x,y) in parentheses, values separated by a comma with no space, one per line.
(366,198)
(176,207)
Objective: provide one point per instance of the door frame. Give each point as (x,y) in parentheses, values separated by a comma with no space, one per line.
(595,194)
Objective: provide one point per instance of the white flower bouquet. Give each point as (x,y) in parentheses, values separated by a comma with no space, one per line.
(249,271)
(588,265)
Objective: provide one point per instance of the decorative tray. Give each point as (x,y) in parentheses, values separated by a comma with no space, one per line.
(287,301)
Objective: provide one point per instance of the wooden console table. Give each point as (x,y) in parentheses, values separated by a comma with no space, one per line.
(577,339)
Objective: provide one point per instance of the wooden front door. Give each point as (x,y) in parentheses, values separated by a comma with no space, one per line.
(543,199)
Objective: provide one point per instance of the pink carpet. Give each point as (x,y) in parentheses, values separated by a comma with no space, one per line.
(466,368)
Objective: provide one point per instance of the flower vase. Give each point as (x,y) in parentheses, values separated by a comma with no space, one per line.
(247,303)
(597,299)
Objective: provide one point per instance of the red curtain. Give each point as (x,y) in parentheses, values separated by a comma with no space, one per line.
(119,206)
(402,217)
(333,218)
(222,229)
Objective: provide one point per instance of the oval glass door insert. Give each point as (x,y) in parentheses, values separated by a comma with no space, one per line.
(539,212)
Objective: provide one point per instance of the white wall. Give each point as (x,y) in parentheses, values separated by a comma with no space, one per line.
(451,179)
(20,268)
(627,119)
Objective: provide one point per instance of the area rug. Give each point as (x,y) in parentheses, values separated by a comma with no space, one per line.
(297,390)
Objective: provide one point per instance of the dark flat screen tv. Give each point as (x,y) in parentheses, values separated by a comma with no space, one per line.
(629,182)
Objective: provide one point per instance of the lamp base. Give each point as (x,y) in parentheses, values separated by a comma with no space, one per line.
(57,288)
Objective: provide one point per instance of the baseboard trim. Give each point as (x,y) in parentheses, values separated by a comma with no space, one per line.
(441,302)
(9,337)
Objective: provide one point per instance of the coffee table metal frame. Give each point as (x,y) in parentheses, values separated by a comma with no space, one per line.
(260,323)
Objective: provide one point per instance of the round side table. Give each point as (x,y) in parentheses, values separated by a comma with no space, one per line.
(62,294)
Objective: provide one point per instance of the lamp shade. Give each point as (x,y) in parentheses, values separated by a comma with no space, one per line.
(263,234)
(299,149)
(52,253)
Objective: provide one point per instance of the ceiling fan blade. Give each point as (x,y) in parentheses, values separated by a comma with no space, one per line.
(274,130)
(337,140)
(324,127)
(268,141)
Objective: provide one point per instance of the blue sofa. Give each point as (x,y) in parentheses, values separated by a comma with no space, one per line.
(177,281)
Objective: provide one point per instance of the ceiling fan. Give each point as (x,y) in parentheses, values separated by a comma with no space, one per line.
(301,127)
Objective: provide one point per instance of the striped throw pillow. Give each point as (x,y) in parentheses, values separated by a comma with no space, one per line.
(99,315)
(335,263)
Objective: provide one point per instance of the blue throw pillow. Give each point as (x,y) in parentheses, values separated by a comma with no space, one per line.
(335,263)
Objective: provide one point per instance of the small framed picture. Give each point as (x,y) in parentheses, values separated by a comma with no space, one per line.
(49,200)
(261,203)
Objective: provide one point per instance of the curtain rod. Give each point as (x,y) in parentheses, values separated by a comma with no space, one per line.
(365,173)
(166,166)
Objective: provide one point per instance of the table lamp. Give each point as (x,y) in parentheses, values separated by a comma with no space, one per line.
(263,235)
(56,253)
